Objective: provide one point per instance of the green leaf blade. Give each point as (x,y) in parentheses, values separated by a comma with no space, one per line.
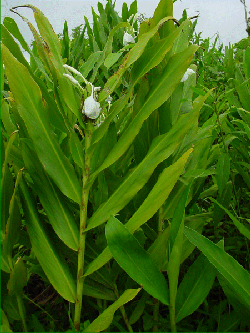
(233,272)
(135,260)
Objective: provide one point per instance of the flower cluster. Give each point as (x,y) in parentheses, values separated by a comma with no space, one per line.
(127,39)
(91,107)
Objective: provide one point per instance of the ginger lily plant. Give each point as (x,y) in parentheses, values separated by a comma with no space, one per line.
(90,185)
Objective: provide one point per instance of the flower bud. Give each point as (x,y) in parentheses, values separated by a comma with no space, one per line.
(91,108)
(73,80)
(127,39)
(71,69)
(188,72)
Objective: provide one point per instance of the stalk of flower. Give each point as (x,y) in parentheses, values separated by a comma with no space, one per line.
(91,109)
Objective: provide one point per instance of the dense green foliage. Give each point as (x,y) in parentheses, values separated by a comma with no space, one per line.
(136,219)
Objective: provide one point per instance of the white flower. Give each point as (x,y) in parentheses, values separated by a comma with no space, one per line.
(73,80)
(91,108)
(127,39)
(73,70)
(188,72)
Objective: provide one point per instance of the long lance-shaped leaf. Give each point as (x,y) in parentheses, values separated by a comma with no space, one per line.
(52,200)
(159,193)
(11,25)
(132,56)
(239,226)
(105,319)
(237,277)
(30,106)
(9,42)
(6,182)
(12,228)
(149,59)
(164,87)
(50,258)
(150,206)
(155,54)
(107,49)
(161,148)
(53,57)
(194,287)
(175,251)
(135,261)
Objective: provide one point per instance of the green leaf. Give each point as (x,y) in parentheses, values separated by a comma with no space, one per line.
(90,63)
(7,187)
(175,249)
(243,93)
(5,326)
(194,287)
(164,86)
(18,278)
(139,309)
(12,228)
(30,106)
(237,277)
(240,226)
(153,56)
(49,257)
(135,261)
(52,200)
(54,58)
(134,54)
(111,59)
(161,148)
(8,124)
(149,59)
(11,25)
(105,319)
(234,299)
(158,194)
(14,48)
(97,290)
(77,149)
(223,171)
(149,207)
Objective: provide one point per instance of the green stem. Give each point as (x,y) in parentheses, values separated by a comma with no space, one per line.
(82,234)
(172,316)
(21,310)
(226,151)
(156,314)
(156,301)
(123,312)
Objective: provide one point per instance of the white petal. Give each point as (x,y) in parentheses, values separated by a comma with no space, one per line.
(91,108)
(127,38)
(188,72)
(71,79)
(71,69)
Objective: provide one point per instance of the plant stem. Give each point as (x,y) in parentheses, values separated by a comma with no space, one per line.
(172,316)
(156,314)
(21,310)
(156,301)
(123,312)
(82,234)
